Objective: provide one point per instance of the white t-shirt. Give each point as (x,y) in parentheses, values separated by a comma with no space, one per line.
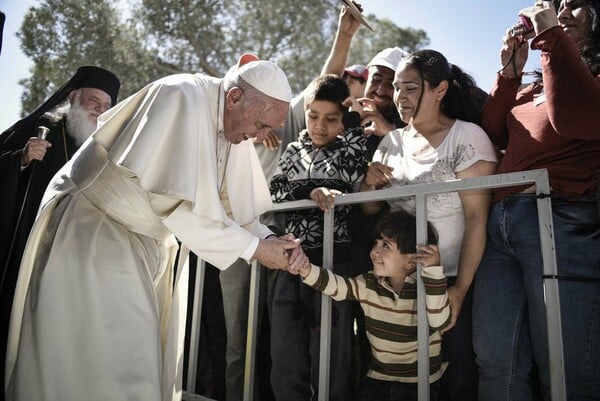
(415,161)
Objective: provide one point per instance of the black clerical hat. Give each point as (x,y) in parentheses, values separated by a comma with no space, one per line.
(99,78)
(85,77)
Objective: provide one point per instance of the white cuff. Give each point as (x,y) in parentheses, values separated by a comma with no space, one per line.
(249,252)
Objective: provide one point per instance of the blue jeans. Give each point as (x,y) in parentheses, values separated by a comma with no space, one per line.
(509,320)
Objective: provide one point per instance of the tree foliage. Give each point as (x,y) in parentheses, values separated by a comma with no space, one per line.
(147,39)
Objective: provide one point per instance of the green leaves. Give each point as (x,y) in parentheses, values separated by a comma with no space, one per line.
(146,39)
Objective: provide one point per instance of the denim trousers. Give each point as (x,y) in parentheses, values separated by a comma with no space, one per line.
(509,317)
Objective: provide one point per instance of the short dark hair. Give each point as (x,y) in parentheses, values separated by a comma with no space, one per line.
(328,87)
(401,226)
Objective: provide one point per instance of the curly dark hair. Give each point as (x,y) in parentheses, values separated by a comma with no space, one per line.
(590,52)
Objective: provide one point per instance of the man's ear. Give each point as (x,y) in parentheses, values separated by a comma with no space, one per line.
(71,96)
(233,98)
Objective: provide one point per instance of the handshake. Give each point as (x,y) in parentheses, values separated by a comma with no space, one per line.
(282,253)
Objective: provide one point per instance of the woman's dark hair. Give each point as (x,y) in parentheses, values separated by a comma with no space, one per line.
(401,226)
(463,100)
(328,87)
(590,52)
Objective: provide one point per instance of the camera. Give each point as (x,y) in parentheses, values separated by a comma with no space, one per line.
(521,28)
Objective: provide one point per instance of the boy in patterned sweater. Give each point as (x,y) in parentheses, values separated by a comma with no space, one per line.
(328,159)
(388,297)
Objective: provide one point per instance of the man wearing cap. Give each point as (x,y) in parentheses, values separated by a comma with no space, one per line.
(99,309)
(356,78)
(380,115)
(28,163)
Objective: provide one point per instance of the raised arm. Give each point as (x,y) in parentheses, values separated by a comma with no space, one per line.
(338,57)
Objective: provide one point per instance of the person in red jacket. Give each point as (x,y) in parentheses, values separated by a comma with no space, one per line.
(553,124)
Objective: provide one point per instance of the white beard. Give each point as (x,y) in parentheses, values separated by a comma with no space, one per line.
(79,126)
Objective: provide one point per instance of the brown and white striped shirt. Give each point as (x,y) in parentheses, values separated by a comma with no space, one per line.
(391,318)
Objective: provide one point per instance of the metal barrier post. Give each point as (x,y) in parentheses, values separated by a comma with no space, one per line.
(422,321)
(325,333)
(252,333)
(551,293)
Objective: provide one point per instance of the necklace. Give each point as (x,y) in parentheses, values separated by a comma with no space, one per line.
(222,146)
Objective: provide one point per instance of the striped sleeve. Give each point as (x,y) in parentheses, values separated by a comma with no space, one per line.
(337,287)
(436,296)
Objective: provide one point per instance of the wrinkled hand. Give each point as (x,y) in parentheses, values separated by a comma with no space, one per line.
(347,24)
(324,197)
(373,121)
(35,149)
(277,253)
(456,297)
(378,175)
(271,141)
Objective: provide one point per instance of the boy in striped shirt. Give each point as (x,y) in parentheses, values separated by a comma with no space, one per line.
(388,297)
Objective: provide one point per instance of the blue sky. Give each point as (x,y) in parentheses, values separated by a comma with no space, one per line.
(467,32)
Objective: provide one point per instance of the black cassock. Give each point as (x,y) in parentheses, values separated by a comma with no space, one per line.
(20,196)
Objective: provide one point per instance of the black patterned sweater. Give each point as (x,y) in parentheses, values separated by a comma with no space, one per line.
(302,167)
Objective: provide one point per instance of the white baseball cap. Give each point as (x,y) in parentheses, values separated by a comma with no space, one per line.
(389,58)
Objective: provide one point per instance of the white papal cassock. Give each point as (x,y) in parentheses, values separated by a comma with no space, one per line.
(95,314)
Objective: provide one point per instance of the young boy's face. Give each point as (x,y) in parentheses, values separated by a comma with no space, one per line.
(387,259)
(323,122)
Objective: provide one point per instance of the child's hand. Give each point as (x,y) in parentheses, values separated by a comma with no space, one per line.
(299,263)
(271,141)
(428,255)
(324,197)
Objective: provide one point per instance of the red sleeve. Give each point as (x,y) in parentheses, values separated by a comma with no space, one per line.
(496,108)
(572,92)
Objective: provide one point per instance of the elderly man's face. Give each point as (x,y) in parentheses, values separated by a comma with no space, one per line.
(93,101)
(251,117)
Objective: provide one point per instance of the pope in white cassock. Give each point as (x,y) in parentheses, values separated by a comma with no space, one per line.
(96,316)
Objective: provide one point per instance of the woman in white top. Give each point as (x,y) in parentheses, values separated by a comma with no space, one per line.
(441,106)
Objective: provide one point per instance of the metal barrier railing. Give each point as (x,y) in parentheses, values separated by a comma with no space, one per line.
(537,177)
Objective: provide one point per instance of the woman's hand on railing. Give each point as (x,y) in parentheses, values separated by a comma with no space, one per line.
(378,175)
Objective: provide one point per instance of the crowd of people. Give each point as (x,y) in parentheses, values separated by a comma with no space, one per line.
(107,205)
